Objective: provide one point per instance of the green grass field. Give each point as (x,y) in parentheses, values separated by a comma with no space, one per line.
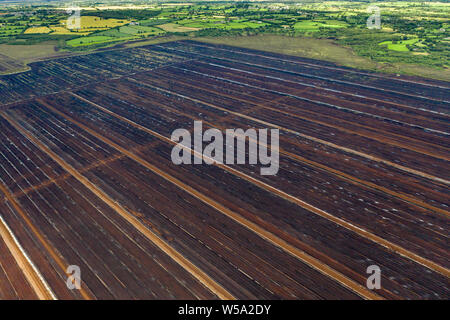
(7,31)
(399,45)
(220,23)
(89,40)
(137,29)
(127,32)
(315,25)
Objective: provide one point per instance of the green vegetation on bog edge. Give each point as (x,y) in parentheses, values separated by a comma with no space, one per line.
(325,49)
(414,36)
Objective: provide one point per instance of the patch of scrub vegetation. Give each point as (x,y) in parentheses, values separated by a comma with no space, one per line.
(217,23)
(321,49)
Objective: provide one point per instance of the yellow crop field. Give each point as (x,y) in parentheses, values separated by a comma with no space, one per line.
(88,23)
(37,30)
(60,30)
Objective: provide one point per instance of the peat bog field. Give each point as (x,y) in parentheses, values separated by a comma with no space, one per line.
(86,179)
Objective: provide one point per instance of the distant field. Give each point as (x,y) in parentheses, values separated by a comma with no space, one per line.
(136,30)
(414,36)
(83,41)
(153,22)
(60,30)
(38,30)
(173,27)
(221,24)
(112,33)
(122,33)
(316,25)
(92,23)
